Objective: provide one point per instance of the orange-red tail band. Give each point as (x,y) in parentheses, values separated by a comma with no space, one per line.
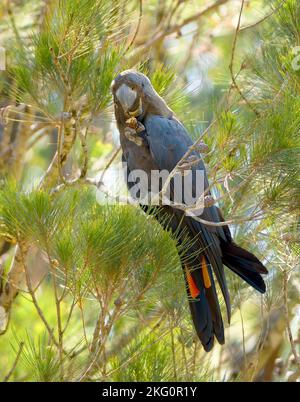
(205,273)
(194,291)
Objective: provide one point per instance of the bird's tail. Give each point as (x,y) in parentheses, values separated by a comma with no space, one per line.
(244,264)
(203,299)
(204,305)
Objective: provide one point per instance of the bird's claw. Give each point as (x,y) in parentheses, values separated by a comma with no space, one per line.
(135,124)
(202,147)
(131,135)
(134,127)
(209,201)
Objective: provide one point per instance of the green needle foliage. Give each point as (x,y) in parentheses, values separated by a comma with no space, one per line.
(56,67)
(41,359)
(101,290)
(110,256)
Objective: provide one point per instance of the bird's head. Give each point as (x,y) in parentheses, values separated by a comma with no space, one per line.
(134,96)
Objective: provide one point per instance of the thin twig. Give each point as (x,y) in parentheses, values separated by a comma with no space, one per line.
(9,374)
(58,310)
(254,24)
(183,159)
(107,166)
(286,309)
(176,28)
(137,27)
(32,294)
(243,336)
(173,351)
(84,167)
(233,78)
(13,22)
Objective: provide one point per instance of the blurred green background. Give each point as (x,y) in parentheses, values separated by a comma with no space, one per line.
(113,307)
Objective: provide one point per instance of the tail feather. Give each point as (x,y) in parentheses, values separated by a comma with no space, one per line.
(202,321)
(253,278)
(203,298)
(217,320)
(244,264)
(212,298)
(204,305)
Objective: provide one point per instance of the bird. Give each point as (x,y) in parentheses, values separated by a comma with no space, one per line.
(153,139)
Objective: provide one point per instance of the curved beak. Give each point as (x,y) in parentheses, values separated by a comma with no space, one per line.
(126,97)
(137,111)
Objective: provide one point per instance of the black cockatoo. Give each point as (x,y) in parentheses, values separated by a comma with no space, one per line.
(152,138)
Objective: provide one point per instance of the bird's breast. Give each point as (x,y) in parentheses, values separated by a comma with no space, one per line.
(138,157)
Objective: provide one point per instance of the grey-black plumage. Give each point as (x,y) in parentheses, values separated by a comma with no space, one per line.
(163,141)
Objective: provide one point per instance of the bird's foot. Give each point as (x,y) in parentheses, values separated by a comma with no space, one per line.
(134,127)
(135,124)
(131,135)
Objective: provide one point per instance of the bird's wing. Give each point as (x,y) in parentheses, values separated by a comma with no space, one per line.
(168,142)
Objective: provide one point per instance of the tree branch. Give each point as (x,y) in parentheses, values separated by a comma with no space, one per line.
(9,374)
(176,28)
(233,78)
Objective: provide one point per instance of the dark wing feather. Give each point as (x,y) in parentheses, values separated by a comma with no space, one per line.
(168,142)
